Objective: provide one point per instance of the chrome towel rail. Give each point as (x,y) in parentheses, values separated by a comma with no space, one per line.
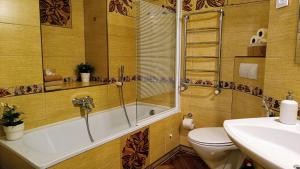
(200,44)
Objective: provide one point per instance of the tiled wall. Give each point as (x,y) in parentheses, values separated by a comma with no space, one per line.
(247,105)
(282,73)
(45,108)
(20,43)
(208,109)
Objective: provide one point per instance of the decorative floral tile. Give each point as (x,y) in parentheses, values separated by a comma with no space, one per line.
(136,150)
(187,5)
(170,5)
(4,92)
(274,105)
(255,91)
(24,90)
(123,7)
(21,90)
(209,3)
(55,12)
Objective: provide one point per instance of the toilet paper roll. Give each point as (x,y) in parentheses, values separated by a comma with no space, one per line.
(188,123)
(254,40)
(262,33)
(262,41)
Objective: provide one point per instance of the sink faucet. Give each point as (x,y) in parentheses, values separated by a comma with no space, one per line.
(269,112)
(86,103)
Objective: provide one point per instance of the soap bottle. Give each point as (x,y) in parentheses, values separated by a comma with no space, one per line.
(288,110)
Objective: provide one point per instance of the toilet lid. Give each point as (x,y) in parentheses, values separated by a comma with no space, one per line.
(211,135)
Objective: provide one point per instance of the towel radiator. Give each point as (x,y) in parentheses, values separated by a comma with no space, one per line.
(218,42)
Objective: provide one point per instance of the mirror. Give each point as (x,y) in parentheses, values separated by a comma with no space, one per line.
(74,43)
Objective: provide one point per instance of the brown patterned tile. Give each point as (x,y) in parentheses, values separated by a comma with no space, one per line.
(120,6)
(136,150)
(55,12)
(212,3)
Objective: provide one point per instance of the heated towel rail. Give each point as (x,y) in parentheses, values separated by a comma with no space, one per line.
(218,42)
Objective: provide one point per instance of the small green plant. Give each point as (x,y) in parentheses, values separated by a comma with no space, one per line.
(85,68)
(10,116)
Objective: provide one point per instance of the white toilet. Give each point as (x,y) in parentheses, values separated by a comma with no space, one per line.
(215,148)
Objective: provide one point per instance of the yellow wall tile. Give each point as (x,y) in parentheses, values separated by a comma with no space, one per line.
(106,156)
(20,54)
(282,73)
(160,140)
(246,106)
(59,104)
(20,12)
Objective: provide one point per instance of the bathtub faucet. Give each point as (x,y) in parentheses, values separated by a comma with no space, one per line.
(85,103)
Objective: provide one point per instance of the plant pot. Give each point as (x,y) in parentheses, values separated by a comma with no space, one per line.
(14,132)
(85,77)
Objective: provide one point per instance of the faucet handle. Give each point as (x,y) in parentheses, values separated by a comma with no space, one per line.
(89,100)
(77,101)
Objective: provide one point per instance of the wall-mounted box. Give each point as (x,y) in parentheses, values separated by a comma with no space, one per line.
(257,50)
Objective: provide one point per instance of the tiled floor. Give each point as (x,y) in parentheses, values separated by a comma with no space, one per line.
(183,161)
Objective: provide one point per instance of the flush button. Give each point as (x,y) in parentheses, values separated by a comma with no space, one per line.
(282,3)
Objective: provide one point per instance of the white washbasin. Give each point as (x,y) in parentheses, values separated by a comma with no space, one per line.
(267,141)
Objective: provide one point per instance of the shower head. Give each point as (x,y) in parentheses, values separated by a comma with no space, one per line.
(122,72)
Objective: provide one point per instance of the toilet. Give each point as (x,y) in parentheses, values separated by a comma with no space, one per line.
(215,148)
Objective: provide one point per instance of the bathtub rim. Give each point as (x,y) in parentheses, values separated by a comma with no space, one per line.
(139,125)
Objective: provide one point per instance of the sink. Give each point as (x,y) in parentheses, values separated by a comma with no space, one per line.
(267,141)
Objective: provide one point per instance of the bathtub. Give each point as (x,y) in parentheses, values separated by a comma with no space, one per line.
(46,146)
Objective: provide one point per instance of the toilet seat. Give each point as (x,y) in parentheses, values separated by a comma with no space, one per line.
(213,136)
(215,148)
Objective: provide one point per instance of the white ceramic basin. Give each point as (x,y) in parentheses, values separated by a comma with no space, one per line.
(267,141)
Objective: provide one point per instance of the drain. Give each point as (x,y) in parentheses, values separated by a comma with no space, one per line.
(297,166)
(152,112)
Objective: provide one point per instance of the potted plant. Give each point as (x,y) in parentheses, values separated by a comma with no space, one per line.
(13,126)
(85,71)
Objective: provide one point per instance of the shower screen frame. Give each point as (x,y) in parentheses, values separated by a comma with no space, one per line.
(176,108)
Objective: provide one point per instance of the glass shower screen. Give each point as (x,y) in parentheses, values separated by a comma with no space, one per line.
(156,58)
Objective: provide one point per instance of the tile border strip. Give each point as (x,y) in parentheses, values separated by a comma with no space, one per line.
(39,88)
(240,87)
(274,105)
(21,90)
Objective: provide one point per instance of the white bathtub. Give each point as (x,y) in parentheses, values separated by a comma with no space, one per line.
(46,146)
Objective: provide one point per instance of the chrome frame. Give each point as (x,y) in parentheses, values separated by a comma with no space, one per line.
(219,43)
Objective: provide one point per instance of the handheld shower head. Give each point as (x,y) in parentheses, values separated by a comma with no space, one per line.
(119,83)
(122,72)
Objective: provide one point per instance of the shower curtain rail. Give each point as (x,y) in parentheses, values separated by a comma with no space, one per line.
(193,44)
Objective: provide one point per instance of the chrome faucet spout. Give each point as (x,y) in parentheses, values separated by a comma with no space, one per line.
(86,104)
